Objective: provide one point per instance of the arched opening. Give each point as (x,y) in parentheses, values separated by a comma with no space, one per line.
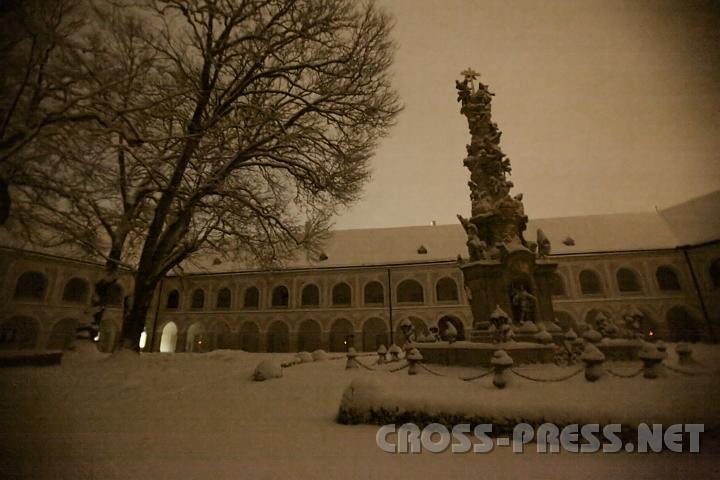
(196,341)
(590,283)
(62,335)
(557,285)
(446,290)
(310,296)
(565,321)
(224,298)
(341,294)
(715,272)
(280,297)
(410,291)
(627,280)
(107,336)
(198,298)
(252,298)
(249,337)
(173,300)
(442,326)
(278,337)
(682,326)
(667,279)
(374,294)
(309,336)
(341,335)
(421,328)
(168,340)
(375,333)
(18,333)
(220,336)
(76,291)
(30,286)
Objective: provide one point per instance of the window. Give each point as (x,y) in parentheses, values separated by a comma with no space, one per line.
(280,296)
(31,286)
(252,298)
(173,300)
(590,282)
(667,279)
(224,298)
(198,298)
(374,293)
(310,296)
(341,294)
(446,290)
(627,280)
(715,272)
(558,285)
(76,291)
(410,291)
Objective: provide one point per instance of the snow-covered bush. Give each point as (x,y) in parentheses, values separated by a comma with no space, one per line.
(305,357)
(319,355)
(266,370)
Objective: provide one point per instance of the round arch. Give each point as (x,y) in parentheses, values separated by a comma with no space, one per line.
(249,337)
(341,335)
(220,336)
(628,280)
(19,333)
(682,325)
(309,336)
(195,340)
(446,290)
(590,282)
(456,322)
(278,337)
(107,335)
(31,286)
(62,335)
(168,339)
(76,290)
(410,291)
(374,334)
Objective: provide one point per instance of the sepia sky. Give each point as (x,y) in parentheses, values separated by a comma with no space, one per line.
(605,106)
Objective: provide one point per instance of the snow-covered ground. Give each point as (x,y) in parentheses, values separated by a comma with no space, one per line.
(201,416)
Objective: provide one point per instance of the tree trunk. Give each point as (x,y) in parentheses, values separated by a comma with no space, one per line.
(134,318)
(4,201)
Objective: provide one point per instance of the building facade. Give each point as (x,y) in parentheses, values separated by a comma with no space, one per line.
(368,282)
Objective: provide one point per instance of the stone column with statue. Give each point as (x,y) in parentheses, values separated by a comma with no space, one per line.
(503,269)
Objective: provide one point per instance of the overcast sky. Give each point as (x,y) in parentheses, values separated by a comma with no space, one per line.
(605,106)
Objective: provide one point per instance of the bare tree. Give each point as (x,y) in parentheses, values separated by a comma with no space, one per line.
(49,81)
(255,121)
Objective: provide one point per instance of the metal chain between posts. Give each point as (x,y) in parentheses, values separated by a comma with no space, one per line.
(684,372)
(366,367)
(477,377)
(399,368)
(625,375)
(548,380)
(431,371)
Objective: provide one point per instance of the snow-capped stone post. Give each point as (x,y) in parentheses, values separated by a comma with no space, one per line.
(592,336)
(662,348)
(351,359)
(652,360)
(382,351)
(593,359)
(394,352)
(413,357)
(501,361)
(684,353)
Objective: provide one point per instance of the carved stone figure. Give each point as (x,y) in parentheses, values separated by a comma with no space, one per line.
(476,247)
(525,303)
(543,244)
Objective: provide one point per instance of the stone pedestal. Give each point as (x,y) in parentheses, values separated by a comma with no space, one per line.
(491,283)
